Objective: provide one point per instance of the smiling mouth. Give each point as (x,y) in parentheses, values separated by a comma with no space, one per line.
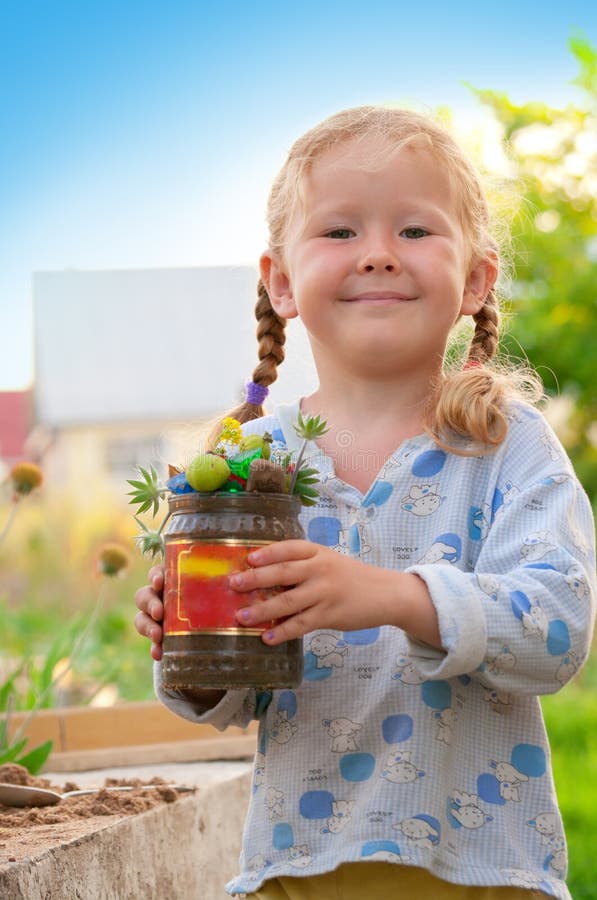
(379,297)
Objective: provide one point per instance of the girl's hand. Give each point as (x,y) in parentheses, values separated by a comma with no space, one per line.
(149,601)
(322,589)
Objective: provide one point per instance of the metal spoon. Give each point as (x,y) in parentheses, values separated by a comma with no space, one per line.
(24,795)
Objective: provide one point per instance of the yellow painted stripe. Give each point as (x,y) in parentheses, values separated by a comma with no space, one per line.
(205,565)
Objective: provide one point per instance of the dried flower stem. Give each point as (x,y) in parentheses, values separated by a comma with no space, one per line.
(9,521)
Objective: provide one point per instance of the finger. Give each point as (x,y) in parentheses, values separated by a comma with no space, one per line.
(277,606)
(147,627)
(282,574)
(280,551)
(148,602)
(294,627)
(143,597)
(156,578)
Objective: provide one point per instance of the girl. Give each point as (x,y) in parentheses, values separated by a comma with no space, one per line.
(447,577)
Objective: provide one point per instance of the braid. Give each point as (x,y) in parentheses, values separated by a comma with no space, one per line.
(485,340)
(472,401)
(471,413)
(271,337)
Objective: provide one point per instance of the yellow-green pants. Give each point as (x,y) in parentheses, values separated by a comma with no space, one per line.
(381,881)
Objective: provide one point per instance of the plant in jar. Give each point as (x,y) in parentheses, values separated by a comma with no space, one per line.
(223,504)
(238,464)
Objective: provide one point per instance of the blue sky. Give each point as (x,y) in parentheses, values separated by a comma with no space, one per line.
(143,134)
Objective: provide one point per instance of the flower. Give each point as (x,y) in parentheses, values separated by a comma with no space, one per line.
(25,477)
(112,559)
(231,431)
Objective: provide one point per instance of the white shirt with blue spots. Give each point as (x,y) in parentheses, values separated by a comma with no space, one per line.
(391,749)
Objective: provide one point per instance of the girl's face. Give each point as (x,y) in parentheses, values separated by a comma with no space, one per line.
(375,261)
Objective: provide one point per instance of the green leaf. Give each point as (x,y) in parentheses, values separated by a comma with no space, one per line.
(7,688)
(135,484)
(35,760)
(148,492)
(309,479)
(307,471)
(305,491)
(306,501)
(311,427)
(11,752)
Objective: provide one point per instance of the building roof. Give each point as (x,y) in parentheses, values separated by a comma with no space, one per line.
(15,423)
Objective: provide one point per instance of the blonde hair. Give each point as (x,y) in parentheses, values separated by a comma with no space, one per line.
(471,400)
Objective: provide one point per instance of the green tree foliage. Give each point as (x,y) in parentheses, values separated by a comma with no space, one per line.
(554,296)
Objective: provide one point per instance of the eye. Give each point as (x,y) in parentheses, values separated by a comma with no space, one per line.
(340,234)
(414,233)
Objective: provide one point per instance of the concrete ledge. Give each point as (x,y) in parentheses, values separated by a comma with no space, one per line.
(186,850)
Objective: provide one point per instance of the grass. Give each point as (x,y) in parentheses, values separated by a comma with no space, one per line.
(571,721)
(50,585)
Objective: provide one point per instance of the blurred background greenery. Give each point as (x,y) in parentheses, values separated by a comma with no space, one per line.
(554,296)
(49,581)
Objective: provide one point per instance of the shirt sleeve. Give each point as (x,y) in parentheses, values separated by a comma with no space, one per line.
(521,622)
(235,708)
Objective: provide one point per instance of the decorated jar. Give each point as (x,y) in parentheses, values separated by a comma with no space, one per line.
(207,538)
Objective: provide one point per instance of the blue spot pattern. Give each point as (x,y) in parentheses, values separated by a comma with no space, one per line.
(310,670)
(520,603)
(316,805)
(428,463)
(558,637)
(357,766)
(361,638)
(436,694)
(528,759)
(370,848)
(354,540)
(287,703)
(283,836)
(396,729)
(379,494)
(324,530)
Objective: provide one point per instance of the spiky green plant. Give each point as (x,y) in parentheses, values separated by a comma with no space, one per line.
(304,485)
(150,541)
(148,491)
(309,429)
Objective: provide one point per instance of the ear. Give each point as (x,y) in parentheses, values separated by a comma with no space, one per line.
(277,284)
(479,282)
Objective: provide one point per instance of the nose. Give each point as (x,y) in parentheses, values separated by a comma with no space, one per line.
(378,256)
